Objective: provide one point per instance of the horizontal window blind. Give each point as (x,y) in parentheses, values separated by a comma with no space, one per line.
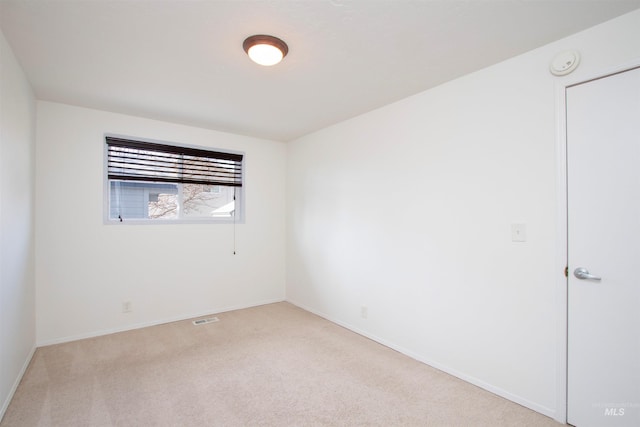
(145,161)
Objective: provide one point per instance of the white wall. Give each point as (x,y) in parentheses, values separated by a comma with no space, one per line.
(407,210)
(85,269)
(17,284)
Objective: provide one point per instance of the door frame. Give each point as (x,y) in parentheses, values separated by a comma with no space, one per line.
(562,282)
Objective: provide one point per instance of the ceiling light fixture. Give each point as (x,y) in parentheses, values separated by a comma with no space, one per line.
(265,50)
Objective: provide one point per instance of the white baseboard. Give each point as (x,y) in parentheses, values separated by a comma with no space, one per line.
(155,322)
(470,379)
(16,383)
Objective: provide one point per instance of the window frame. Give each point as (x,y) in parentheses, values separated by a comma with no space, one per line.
(237,218)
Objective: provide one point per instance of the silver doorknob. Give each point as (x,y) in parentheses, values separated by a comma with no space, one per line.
(583,274)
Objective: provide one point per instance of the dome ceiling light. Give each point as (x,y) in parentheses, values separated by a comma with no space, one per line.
(265,50)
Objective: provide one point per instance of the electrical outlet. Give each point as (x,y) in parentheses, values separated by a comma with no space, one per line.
(364,312)
(518,232)
(127,307)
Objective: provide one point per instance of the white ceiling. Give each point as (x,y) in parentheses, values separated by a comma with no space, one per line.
(182,61)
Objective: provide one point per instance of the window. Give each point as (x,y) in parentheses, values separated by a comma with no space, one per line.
(151,181)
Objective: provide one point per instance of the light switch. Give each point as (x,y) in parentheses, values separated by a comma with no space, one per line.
(518,232)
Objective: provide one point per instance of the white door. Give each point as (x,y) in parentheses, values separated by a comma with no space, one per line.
(603,187)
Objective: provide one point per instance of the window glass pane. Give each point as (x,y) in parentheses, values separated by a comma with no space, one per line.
(207,201)
(142,200)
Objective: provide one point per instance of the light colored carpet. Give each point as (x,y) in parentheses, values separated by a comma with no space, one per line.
(274,365)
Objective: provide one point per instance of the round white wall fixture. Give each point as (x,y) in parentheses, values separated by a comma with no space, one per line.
(564,63)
